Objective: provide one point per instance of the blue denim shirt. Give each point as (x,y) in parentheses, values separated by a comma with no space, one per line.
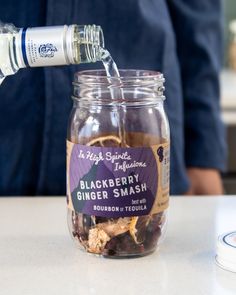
(181,38)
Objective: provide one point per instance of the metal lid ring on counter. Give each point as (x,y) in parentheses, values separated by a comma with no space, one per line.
(226,251)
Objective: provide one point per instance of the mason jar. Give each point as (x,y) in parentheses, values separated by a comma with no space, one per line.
(118,150)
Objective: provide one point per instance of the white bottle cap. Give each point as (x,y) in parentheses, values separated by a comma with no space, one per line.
(226,251)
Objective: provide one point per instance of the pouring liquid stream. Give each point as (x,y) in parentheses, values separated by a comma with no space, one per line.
(116,92)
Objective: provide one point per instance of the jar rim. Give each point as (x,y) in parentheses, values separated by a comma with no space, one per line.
(126,76)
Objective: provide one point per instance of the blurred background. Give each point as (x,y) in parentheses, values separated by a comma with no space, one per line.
(228,95)
(228,81)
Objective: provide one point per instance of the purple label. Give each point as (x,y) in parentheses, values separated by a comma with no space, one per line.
(112,182)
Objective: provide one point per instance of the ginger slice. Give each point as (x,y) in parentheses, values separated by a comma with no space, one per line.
(97,240)
(115,228)
(103,232)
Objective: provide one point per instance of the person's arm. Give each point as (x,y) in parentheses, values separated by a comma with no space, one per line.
(198,28)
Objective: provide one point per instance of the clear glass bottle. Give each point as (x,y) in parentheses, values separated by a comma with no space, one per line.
(48,46)
(118,163)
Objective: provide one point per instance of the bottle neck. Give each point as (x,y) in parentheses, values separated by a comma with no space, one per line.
(59,45)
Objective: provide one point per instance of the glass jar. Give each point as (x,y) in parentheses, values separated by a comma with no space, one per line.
(118,163)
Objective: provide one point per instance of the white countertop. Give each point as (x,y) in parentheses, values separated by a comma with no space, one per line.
(37,255)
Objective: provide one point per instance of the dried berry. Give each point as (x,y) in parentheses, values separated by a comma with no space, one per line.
(122,245)
(153,232)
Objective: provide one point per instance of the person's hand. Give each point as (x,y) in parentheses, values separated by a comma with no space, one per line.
(204,182)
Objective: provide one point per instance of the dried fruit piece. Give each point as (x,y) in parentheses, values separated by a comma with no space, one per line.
(138,228)
(153,231)
(122,245)
(109,140)
(115,227)
(97,240)
(102,233)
